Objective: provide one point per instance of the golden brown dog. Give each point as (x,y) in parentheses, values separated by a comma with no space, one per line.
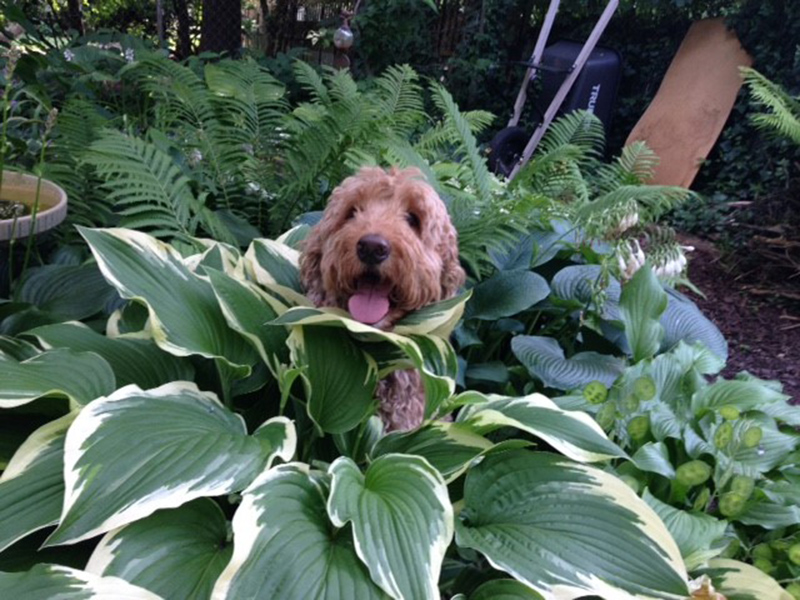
(384,247)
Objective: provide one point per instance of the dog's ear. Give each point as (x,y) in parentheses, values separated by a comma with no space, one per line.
(310,266)
(453,276)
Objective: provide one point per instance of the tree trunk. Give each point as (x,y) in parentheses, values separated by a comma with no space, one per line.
(184,47)
(221,30)
(75,15)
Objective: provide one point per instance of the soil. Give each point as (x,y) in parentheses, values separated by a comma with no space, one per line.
(758,318)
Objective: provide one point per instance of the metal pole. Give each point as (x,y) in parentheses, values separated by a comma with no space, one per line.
(531,72)
(558,100)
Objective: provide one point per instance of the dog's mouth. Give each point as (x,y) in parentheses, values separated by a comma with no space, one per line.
(370,301)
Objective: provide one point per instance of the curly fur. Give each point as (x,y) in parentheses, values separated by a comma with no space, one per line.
(422,268)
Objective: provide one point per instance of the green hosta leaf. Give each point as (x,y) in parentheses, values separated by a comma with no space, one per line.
(140,362)
(545,360)
(504,589)
(576,283)
(432,355)
(654,457)
(135,452)
(449,447)
(740,581)
(340,379)
(573,433)
(67,292)
(54,582)
(402,521)
(79,376)
(437,319)
(567,530)
(177,553)
(683,321)
(769,515)
(744,395)
(16,349)
(32,485)
(184,313)
(276,266)
(641,305)
(506,294)
(695,533)
(285,546)
(248,309)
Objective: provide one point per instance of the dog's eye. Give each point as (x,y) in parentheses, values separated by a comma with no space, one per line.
(351,213)
(413,220)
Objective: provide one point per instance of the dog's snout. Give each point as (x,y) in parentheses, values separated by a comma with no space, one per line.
(373,249)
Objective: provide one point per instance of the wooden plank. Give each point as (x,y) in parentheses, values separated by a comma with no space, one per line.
(696,96)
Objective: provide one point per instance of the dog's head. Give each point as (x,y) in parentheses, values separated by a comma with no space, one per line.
(384,247)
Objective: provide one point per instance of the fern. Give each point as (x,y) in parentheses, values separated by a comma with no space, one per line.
(399,99)
(784,116)
(312,82)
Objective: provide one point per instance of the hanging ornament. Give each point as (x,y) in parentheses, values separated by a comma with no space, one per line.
(343,37)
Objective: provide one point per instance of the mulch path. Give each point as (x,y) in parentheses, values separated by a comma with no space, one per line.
(762,328)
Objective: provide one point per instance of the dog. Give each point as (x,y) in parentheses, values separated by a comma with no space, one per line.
(385,247)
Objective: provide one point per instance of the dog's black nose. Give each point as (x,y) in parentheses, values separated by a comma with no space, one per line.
(373,249)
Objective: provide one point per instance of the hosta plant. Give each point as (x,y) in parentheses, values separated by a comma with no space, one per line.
(219,441)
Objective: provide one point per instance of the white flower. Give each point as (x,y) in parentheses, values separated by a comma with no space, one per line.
(130,55)
(628,221)
(69,55)
(195,156)
(630,259)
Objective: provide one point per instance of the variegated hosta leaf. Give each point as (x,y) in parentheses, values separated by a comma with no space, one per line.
(504,589)
(402,521)
(184,313)
(698,535)
(340,379)
(641,305)
(177,553)
(32,486)
(79,376)
(449,447)
(437,319)
(285,546)
(295,236)
(567,530)
(55,582)
(140,362)
(740,581)
(574,433)
(218,256)
(248,309)
(276,267)
(433,356)
(545,360)
(134,452)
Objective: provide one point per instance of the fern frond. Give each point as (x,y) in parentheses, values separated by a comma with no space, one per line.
(635,165)
(149,190)
(435,140)
(311,81)
(400,99)
(580,128)
(784,118)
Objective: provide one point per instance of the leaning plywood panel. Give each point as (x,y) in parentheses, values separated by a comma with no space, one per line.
(693,102)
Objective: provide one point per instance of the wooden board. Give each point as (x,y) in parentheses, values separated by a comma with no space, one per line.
(693,102)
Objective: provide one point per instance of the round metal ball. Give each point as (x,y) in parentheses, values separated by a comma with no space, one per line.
(343,38)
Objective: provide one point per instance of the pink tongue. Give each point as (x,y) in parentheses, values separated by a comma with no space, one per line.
(369,304)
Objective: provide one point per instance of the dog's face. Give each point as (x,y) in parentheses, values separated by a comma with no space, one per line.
(385,247)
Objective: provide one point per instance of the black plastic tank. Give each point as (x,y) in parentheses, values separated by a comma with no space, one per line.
(595,89)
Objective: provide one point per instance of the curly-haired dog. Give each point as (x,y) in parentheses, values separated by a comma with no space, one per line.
(384,247)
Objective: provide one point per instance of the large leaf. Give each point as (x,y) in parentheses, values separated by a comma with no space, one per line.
(576,284)
(67,292)
(79,376)
(402,521)
(436,319)
(54,582)
(184,313)
(740,581)
(285,546)
(545,360)
(504,589)
(683,321)
(449,447)
(140,362)
(276,266)
(506,294)
(567,530)
(340,378)
(641,305)
(654,457)
(744,395)
(135,452)
(573,433)
(32,485)
(190,541)
(697,534)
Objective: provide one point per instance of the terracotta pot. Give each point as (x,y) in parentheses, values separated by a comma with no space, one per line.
(20,187)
